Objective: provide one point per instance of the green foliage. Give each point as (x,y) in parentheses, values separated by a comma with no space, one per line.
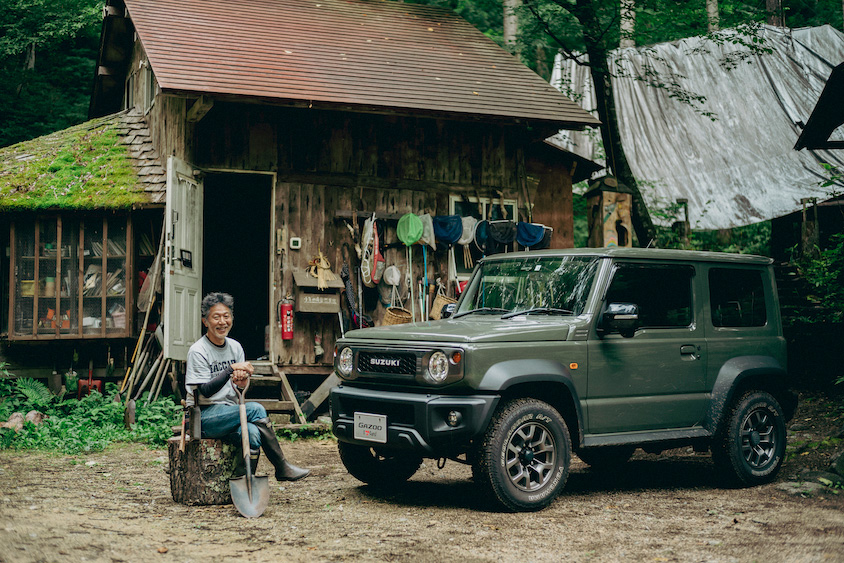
(34,392)
(826,274)
(314,431)
(88,424)
(48,51)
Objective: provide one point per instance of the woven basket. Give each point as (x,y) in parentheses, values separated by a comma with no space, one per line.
(440,301)
(397,316)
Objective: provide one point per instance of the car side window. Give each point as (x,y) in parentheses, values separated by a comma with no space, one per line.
(662,292)
(737,298)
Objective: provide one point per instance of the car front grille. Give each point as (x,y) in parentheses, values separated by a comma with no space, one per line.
(387,363)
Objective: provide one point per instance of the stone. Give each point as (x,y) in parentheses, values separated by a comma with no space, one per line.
(837,464)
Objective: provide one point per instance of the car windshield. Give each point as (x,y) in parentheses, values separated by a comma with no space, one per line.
(541,285)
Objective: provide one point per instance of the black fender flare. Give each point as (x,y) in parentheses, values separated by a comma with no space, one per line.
(730,376)
(504,375)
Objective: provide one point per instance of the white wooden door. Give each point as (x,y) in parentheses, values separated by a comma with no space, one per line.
(182,259)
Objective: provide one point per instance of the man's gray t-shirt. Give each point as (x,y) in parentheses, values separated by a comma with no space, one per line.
(206,360)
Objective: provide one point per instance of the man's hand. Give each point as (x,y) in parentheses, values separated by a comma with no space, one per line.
(240,377)
(245,366)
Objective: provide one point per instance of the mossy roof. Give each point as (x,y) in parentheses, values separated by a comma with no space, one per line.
(105,163)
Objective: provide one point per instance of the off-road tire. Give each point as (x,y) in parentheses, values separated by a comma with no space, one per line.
(609,457)
(377,467)
(524,456)
(749,447)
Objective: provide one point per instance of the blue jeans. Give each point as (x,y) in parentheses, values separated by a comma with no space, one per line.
(219,421)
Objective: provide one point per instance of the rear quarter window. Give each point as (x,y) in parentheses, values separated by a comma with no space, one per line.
(737,297)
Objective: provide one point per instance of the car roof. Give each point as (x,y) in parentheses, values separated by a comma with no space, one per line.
(642,254)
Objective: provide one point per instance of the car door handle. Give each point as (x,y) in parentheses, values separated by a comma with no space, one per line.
(689,352)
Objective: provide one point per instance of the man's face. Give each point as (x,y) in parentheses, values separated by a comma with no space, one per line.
(219,322)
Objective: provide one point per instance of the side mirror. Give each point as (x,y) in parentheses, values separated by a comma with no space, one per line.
(448,310)
(622,318)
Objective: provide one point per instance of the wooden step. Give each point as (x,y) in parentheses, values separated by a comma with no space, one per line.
(276,406)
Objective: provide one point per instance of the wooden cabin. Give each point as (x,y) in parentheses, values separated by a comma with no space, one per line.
(281,125)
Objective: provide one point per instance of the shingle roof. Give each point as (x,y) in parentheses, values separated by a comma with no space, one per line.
(104,163)
(373,55)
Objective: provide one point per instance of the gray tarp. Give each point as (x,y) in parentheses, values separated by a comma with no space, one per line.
(735,170)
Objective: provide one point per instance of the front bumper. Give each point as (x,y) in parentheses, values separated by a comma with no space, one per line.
(415,421)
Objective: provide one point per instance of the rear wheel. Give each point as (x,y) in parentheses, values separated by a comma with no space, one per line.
(605,458)
(524,457)
(378,467)
(750,447)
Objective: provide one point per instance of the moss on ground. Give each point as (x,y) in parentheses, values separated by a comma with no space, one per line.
(83,167)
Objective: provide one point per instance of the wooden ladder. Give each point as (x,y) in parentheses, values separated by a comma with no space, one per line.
(286,403)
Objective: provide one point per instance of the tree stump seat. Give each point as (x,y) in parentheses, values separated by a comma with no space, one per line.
(199,476)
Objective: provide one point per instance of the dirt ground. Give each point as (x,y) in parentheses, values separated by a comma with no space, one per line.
(116,506)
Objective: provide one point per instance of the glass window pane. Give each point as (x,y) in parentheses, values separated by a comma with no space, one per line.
(737,298)
(663,293)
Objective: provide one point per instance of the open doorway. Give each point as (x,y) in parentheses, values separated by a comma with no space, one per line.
(236,251)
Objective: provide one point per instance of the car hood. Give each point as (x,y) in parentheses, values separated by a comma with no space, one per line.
(476,328)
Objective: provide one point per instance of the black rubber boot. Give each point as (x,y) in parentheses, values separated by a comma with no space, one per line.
(254,456)
(284,470)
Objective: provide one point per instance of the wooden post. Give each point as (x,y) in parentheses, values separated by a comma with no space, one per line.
(200,474)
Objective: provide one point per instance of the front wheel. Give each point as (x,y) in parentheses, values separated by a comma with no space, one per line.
(750,447)
(524,457)
(377,467)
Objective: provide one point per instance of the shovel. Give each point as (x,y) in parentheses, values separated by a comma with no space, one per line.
(86,386)
(250,494)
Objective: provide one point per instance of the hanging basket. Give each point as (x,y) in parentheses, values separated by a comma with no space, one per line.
(440,301)
(397,316)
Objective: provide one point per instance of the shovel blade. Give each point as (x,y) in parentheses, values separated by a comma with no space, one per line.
(251,506)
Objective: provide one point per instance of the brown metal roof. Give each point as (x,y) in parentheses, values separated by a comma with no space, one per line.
(370,54)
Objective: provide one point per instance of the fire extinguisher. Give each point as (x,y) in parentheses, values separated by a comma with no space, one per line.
(286,315)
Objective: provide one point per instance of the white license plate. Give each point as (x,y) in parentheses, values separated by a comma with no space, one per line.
(371,427)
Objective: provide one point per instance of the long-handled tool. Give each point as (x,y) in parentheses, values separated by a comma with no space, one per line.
(250,494)
(84,387)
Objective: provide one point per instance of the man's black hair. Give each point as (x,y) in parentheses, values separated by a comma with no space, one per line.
(214,298)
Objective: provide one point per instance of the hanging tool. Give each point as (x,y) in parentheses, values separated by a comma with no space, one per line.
(250,494)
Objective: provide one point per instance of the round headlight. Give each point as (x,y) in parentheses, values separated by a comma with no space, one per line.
(345,361)
(438,366)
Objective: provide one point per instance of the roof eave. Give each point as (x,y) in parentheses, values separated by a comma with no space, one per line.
(523,121)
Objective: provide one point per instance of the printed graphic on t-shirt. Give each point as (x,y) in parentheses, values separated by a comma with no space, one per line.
(217,367)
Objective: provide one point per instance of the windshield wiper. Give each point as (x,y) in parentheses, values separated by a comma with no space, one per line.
(478,310)
(547,310)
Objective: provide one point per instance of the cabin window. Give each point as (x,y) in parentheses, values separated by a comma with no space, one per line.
(129,92)
(150,87)
(71,277)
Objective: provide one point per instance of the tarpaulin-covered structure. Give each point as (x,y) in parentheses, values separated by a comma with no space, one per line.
(732,155)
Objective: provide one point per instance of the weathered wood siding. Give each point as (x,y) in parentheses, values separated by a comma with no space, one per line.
(335,161)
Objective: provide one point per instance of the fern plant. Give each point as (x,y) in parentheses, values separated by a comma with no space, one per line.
(34,392)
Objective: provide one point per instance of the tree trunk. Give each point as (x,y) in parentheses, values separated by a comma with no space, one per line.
(200,474)
(511,25)
(628,23)
(605,102)
(712,16)
(775,17)
(28,64)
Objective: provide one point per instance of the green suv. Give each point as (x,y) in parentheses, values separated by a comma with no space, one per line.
(589,351)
